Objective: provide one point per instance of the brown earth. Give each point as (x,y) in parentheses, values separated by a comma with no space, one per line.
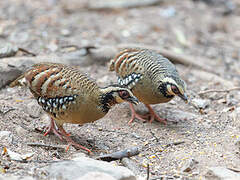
(196,28)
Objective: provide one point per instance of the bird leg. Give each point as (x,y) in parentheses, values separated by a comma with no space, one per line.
(70,141)
(61,133)
(53,128)
(135,115)
(152,115)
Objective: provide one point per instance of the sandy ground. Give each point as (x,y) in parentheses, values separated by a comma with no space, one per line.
(194,28)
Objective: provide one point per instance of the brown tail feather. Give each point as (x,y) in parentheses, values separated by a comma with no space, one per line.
(17,81)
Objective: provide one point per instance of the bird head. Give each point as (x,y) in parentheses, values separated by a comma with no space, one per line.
(116,94)
(174,86)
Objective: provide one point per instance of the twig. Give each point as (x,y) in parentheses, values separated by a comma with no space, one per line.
(234,169)
(34,161)
(174,143)
(46,145)
(219,90)
(156,138)
(104,5)
(166,145)
(26,51)
(120,154)
(5,112)
(148,171)
(169,177)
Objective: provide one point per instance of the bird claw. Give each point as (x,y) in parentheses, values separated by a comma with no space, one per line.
(137,116)
(72,143)
(53,128)
(150,116)
(153,115)
(55,131)
(62,134)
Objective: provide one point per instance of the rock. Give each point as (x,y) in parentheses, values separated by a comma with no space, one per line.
(221,173)
(224,7)
(9,177)
(78,155)
(33,109)
(11,68)
(96,176)
(19,37)
(177,115)
(189,165)
(65,32)
(231,100)
(52,46)
(237,143)
(8,50)
(130,164)
(5,137)
(80,167)
(200,103)
(21,131)
(168,12)
(7,74)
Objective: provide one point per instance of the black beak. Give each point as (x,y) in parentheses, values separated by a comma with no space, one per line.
(133,100)
(184,97)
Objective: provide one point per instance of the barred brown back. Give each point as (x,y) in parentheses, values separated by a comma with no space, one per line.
(132,64)
(57,80)
(58,87)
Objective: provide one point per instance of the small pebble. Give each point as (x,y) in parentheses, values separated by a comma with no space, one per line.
(201,103)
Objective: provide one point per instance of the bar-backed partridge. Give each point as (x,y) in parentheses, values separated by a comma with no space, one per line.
(151,77)
(70,97)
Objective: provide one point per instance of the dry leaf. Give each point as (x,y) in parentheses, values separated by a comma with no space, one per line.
(17,156)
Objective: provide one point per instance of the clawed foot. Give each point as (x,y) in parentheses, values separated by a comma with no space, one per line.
(150,116)
(71,142)
(53,128)
(137,116)
(62,134)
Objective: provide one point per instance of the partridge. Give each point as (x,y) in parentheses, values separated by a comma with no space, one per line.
(70,97)
(151,77)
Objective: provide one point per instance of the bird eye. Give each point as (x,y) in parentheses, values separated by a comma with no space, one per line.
(175,89)
(124,94)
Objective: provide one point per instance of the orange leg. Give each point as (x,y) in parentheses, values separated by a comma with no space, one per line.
(70,141)
(151,115)
(53,128)
(135,115)
(62,134)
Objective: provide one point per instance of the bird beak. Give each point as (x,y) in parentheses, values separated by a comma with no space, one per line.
(133,100)
(184,97)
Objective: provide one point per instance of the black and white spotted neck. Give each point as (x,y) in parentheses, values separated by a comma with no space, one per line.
(129,81)
(52,105)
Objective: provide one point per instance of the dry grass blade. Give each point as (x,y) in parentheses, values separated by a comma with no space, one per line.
(46,145)
(219,90)
(27,52)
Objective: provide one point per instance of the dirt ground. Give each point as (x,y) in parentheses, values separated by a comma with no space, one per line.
(188,27)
